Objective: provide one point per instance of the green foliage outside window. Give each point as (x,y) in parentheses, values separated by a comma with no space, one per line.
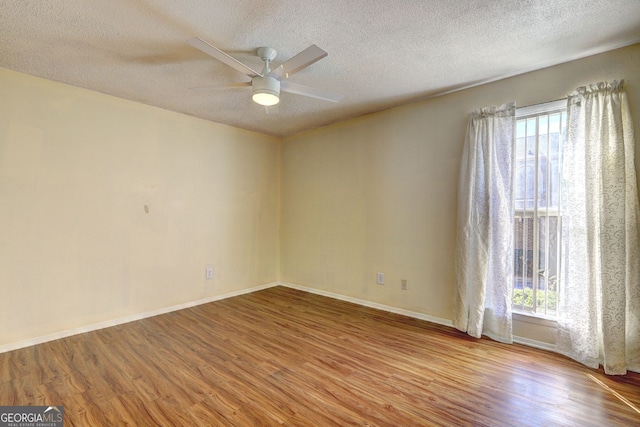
(524,298)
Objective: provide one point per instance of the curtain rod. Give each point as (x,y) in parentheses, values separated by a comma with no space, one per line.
(542,103)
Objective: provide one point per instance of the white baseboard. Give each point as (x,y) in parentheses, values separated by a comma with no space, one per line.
(139,316)
(370,304)
(127,319)
(536,344)
(445,322)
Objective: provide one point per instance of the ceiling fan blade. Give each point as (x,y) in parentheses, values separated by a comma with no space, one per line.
(302,60)
(312,92)
(216,53)
(222,87)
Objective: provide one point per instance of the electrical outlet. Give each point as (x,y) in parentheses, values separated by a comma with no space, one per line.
(380,278)
(404,285)
(208,273)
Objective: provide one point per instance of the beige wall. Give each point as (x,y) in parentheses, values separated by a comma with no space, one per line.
(378,193)
(77,169)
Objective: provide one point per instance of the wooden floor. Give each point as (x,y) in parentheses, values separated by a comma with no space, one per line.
(286,357)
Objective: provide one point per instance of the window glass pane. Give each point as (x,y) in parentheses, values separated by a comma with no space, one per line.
(523,271)
(530,166)
(543,167)
(520,170)
(554,123)
(543,125)
(521,129)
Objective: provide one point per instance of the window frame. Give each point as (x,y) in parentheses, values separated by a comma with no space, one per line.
(524,113)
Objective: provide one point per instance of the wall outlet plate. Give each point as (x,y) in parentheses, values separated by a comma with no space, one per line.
(380,278)
(404,285)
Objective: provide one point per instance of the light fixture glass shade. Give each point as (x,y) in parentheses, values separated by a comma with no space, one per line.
(265,98)
(266,90)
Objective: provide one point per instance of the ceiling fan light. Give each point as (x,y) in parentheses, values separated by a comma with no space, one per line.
(265,98)
(266,90)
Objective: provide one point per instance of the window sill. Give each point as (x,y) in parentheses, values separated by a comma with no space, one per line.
(532,318)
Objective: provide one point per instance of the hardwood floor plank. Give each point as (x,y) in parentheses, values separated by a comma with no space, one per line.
(82,411)
(209,413)
(116,413)
(305,408)
(318,397)
(133,407)
(287,357)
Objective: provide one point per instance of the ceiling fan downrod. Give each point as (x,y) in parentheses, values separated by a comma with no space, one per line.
(266,88)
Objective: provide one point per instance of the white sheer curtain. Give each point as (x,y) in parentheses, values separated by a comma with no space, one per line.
(600,295)
(484,254)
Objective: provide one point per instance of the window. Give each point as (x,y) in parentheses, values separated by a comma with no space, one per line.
(540,133)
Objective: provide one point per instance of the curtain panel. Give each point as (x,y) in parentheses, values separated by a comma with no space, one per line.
(599,319)
(484,253)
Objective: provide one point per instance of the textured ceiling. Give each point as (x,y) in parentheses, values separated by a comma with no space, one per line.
(382,53)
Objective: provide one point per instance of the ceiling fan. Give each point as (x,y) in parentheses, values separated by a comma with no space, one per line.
(267,84)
